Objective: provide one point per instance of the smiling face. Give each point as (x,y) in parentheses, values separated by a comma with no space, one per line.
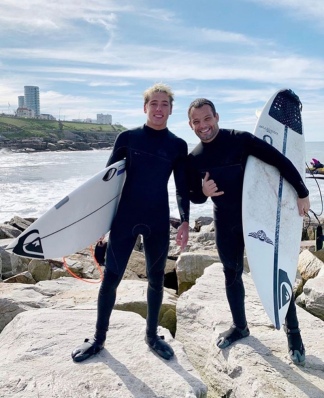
(204,122)
(158,109)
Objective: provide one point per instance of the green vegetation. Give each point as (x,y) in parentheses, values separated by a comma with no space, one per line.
(20,128)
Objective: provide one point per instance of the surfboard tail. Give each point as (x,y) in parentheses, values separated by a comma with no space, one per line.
(27,245)
(77,221)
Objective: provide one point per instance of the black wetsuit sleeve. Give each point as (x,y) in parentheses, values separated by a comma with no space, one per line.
(120,148)
(265,152)
(194,177)
(181,182)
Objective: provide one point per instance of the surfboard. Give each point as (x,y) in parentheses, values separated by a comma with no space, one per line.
(76,221)
(271,222)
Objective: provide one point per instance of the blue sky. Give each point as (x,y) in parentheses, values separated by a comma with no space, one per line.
(98,56)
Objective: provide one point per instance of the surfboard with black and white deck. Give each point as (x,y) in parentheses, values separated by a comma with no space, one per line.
(271,222)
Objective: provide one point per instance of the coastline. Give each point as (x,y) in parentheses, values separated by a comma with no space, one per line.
(40,145)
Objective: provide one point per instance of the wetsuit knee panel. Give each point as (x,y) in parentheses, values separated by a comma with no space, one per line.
(156,279)
(232,275)
(111,280)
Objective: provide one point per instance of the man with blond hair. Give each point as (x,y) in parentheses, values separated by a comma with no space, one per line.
(152,153)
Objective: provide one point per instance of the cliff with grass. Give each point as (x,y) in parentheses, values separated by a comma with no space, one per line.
(22,134)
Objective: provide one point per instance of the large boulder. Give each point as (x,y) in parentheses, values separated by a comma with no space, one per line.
(81,265)
(20,223)
(312,298)
(257,366)
(309,265)
(65,293)
(7,231)
(24,277)
(35,351)
(190,266)
(10,263)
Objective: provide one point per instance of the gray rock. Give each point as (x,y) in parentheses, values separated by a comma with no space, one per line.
(309,265)
(20,223)
(36,359)
(16,298)
(66,293)
(7,231)
(257,366)
(313,295)
(24,277)
(11,264)
(190,266)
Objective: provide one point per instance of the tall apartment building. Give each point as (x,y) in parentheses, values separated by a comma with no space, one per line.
(104,119)
(21,101)
(32,99)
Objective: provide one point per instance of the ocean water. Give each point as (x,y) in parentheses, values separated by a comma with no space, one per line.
(31,183)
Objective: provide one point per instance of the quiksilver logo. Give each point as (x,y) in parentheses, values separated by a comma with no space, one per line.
(284,289)
(29,245)
(262,236)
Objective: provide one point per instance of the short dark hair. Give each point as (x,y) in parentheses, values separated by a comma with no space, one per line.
(199,102)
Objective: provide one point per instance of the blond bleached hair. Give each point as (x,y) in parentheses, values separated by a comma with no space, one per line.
(158,88)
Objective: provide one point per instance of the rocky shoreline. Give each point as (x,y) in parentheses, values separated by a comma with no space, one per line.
(45,313)
(68,142)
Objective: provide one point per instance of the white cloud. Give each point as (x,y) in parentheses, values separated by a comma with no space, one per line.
(98,55)
(301,9)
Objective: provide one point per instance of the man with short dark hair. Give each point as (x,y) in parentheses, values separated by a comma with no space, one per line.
(216,170)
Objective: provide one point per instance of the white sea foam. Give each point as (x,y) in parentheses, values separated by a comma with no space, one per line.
(31,183)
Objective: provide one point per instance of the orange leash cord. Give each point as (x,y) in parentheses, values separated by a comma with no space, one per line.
(82,279)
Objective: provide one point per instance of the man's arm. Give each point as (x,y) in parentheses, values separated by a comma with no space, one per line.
(182,195)
(267,153)
(272,156)
(194,177)
(210,188)
(181,182)
(183,235)
(119,150)
(303,205)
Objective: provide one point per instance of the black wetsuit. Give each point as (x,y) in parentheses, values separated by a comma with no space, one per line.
(225,159)
(151,156)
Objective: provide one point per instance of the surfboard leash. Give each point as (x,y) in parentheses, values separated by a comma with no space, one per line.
(319,190)
(83,279)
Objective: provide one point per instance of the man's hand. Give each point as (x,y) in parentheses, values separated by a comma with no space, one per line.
(209,187)
(303,206)
(183,235)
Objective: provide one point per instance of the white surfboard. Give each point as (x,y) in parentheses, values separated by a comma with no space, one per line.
(271,223)
(77,221)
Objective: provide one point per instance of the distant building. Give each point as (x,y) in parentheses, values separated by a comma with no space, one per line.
(46,116)
(21,101)
(25,112)
(32,99)
(104,119)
